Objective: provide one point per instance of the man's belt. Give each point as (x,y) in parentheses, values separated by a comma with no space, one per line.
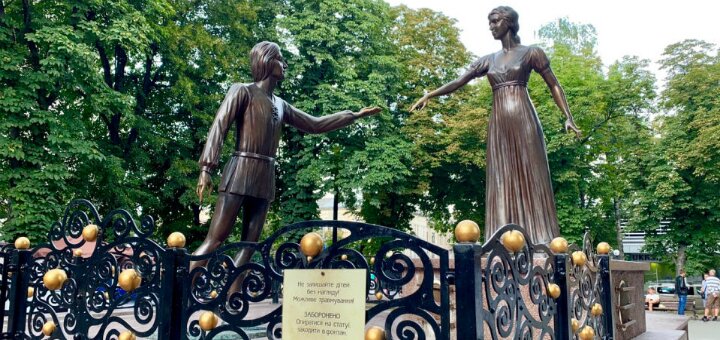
(254,155)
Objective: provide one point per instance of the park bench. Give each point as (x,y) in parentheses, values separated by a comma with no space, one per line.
(691,307)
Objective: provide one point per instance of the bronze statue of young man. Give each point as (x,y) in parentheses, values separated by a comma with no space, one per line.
(256,116)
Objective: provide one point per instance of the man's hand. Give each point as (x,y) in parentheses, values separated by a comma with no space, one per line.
(204,185)
(367,111)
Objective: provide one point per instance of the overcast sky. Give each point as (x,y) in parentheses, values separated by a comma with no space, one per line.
(624,27)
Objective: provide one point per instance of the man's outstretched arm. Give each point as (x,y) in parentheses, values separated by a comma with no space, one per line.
(311,124)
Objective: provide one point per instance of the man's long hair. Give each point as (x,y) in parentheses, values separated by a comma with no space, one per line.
(261,56)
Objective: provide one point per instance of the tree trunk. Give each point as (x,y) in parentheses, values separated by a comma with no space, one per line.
(196,213)
(618,230)
(681,259)
(336,204)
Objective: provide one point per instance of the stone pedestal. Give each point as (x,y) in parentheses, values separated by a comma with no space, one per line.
(629,298)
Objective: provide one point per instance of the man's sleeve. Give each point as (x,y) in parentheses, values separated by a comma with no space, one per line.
(235,101)
(311,124)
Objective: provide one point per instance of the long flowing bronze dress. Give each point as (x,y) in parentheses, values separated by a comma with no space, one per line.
(518,186)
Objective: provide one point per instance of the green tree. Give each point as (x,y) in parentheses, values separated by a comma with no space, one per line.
(447,153)
(678,176)
(120,94)
(340,58)
(590,175)
(44,109)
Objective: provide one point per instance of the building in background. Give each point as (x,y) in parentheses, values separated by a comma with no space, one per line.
(633,243)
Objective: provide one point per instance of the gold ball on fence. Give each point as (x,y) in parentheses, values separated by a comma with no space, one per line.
(575,325)
(77,252)
(588,333)
(596,310)
(90,233)
(48,328)
(311,244)
(379,295)
(559,245)
(513,241)
(213,294)
(372,260)
(553,290)
(579,258)
(344,257)
(127,335)
(603,248)
(129,280)
(30,292)
(375,333)
(176,240)
(467,231)
(54,279)
(208,321)
(22,243)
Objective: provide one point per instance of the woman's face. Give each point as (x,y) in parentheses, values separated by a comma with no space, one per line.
(498,26)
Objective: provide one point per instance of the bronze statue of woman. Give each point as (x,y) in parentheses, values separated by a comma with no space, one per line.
(256,116)
(518,188)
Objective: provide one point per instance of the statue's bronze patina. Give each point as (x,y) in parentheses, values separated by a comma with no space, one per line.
(256,116)
(518,185)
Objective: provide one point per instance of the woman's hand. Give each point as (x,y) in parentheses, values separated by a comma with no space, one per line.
(570,125)
(420,104)
(204,185)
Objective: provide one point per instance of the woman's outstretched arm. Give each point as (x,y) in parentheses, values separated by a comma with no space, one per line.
(478,69)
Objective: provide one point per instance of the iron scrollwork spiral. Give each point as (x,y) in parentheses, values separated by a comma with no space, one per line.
(585,289)
(232,292)
(515,300)
(90,304)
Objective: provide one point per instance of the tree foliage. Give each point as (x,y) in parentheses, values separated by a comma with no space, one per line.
(677,178)
(112,100)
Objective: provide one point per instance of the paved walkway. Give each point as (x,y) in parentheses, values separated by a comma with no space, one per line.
(699,330)
(670,326)
(664,326)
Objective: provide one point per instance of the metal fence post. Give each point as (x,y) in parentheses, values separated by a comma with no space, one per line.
(606,290)
(18,293)
(563,325)
(172,324)
(468,290)
(5,257)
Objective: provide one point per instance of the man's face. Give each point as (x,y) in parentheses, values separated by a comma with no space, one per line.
(278,67)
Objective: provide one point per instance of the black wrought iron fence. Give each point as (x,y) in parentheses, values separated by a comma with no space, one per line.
(101,277)
(4,283)
(509,288)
